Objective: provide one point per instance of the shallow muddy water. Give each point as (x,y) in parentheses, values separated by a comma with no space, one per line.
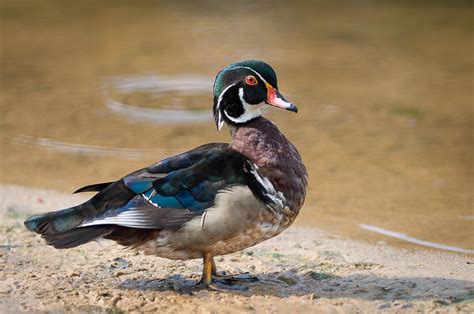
(90,92)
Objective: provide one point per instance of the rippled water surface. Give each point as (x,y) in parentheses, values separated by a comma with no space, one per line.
(168,99)
(93,90)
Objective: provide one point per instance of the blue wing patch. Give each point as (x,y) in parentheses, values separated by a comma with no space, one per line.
(139,186)
(162,201)
(190,180)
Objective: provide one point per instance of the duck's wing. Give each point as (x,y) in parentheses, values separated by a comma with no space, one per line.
(173,191)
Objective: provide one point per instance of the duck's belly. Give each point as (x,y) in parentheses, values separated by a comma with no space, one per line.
(237,221)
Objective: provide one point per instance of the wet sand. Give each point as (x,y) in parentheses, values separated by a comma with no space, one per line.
(302,270)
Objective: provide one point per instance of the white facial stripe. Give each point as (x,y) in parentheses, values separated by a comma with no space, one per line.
(241,96)
(220,121)
(250,111)
(222,94)
(260,76)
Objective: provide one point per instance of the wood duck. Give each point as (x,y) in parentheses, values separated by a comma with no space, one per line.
(215,199)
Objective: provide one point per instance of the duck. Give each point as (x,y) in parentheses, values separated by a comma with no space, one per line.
(215,199)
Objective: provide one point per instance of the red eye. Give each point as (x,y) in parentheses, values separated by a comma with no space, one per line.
(251,80)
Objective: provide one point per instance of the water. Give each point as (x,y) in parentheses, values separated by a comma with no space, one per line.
(90,150)
(185,91)
(91,91)
(404,237)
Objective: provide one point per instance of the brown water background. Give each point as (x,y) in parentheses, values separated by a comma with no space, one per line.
(384,90)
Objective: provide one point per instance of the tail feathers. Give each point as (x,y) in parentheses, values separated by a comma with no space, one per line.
(93,187)
(56,222)
(76,237)
(60,229)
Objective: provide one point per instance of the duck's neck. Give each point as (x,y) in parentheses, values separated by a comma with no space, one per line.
(261,141)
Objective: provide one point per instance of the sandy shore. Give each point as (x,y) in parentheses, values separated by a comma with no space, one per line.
(301,270)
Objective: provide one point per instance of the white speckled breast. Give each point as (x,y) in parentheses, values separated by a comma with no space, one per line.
(237,220)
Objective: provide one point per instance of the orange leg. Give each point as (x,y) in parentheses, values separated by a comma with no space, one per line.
(207,270)
(210,279)
(214,268)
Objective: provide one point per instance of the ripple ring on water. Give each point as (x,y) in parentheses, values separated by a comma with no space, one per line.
(157,85)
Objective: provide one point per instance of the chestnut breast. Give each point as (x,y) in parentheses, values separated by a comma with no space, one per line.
(277,158)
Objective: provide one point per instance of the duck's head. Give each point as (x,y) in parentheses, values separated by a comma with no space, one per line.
(240,89)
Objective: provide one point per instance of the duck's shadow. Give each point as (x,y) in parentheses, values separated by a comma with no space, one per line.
(325,285)
(176,283)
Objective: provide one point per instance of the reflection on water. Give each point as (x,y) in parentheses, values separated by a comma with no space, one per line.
(158,86)
(404,237)
(159,116)
(90,150)
(393,149)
